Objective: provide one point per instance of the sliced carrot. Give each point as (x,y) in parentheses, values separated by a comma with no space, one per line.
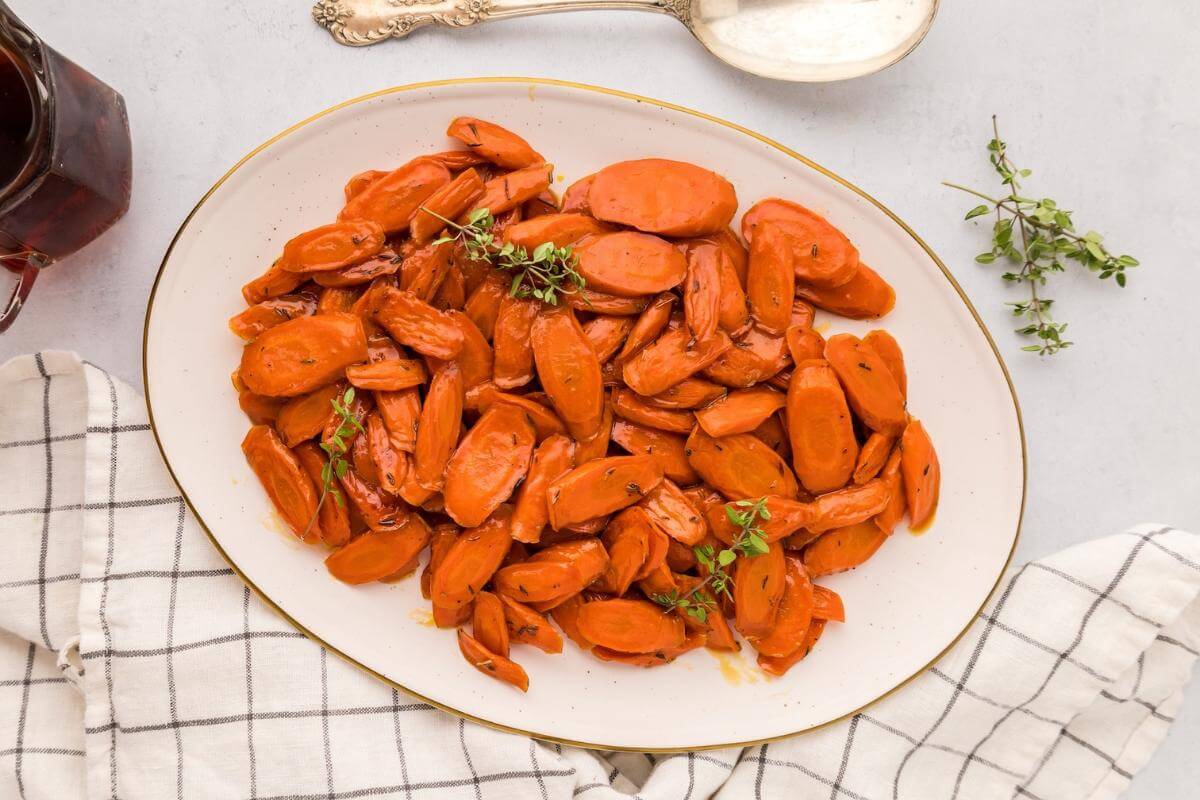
(566,614)
(870,387)
(872,457)
(702,290)
(596,446)
(475,359)
(374,556)
(526,626)
(655,659)
(470,562)
(866,296)
(601,487)
(336,300)
(302,354)
(787,517)
(670,359)
(657,546)
(740,466)
(843,548)
(849,506)
(383,264)
(391,466)
(333,517)
(780,666)
(392,201)
(491,141)
(771,279)
(627,540)
(607,334)
(286,483)
(595,302)
(827,605)
(274,282)
(424,270)
(447,202)
(414,323)
(688,393)
(389,376)
(629,406)
(673,198)
(893,479)
(488,464)
(553,458)
(439,427)
(440,542)
(569,370)
(630,626)
(510,190)
(804,344)
(488,623)
(483,304)
(401,412)
(513,349)
(563,230)
(754,358)
(740,411)
(630,264)
(361,181)
(269,313)
(922,474)
(758,586)
(492,664)
(301,418)
(820,428)
(666,448)
(670,511)
(823,256)
(795,615)
(532,582)
(888,349)
(650,323)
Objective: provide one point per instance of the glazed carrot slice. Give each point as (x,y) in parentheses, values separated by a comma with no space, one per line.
(922,474)
(336,300)
(771,279)
(513,364)
(804,344)
(823,256)
(424,270)
(827,605)
(601,487)
(488,624)
(492,664)
(666,448)
(455,160)
(702,290)
(627,540)
(360,458)
(384,263)
(866,296)
(630,626)
(566,614)
(544,420)
(754,358)
(803,314)
(392,201)
(870,387)
(414,323)
(374,556)
(795,615)
(595,302)
(447,202)
(655,659)
(489,463)
(888,349)
(470,562)
(401,412)
(526,626)
(587,557)
(630,264)
(274,282)
(258,409)
(362,180)
(893,479)
(269,313)
(843,548)
(302,354)
(569,370)
(575,198)
(669,510)
(657,546)
(333,516)
(629,406)
(391,375)
(553,458)
(440,542)
(509,191)
(543,205)
(780,666)
(718,634)
(849,506)
(483,304)
(475,359)
(758,587)
(497,144)
(670,359)
(741,411)
(872,457)
(787,517)
(452,294)
(672,198)
(561,229)
(391,466)
(284,480)
(301,418)
(378,511)
(650,323)
(820,428)
(535,581)
(333,246)
(597,446)
(439,427)
(740,466)
(607,334)
(688,393)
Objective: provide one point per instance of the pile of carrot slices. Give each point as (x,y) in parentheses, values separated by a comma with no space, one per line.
(564,464)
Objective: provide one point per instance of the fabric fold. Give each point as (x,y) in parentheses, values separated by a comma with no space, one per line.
(1063,688)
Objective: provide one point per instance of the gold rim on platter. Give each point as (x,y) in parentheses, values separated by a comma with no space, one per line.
(660,104)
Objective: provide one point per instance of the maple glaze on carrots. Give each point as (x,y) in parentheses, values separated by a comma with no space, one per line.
(578,465)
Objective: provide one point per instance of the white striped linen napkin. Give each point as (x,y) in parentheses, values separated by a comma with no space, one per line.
(134,664)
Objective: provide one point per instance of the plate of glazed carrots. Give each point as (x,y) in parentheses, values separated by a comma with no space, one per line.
(565,435)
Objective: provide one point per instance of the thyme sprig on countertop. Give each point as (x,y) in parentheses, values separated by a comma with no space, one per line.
(543,274)
(1037,235)
(750,542)
(336,448)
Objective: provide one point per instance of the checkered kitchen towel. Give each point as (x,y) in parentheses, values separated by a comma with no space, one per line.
(134,664)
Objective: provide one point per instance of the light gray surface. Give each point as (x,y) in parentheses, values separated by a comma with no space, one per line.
(1098,98)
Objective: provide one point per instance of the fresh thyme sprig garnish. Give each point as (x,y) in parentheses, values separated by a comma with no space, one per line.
(1047,235)
(750,542)
(544,274)
(336,448)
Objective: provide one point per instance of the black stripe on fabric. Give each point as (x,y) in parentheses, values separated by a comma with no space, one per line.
(47,503)
(587,787)
(1093,590)
(803,770)
(249,693)
(1153,709)
(41,751)
(400,743)
(995,704)
(35,581)
(1060,655)
(42,441)
(120,576)
(941,747)
(758,776)
(19,750)
(122,505)
(325,721)
(1091,748)
(837,782)
(537,769)
(172,695)
(31,681)
(1177,643)
(462,740)
(449,783)
(691,766)
(260,716)
(105,628)
(179,648)
(1062,658)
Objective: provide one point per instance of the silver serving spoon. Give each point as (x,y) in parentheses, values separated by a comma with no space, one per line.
(794,40)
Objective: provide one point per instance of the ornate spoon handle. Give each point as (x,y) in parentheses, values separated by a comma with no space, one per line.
(363,22)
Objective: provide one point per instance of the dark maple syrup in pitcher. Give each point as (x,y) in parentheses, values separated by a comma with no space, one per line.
(17,116)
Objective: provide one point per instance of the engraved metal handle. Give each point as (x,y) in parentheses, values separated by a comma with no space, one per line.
(363,22)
